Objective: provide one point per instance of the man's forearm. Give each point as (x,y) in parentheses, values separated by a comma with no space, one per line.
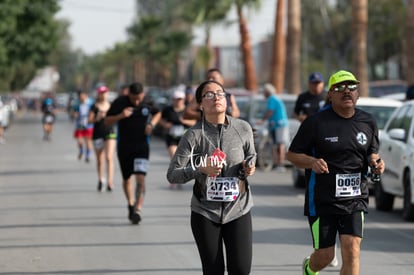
(111,120)
(155,119)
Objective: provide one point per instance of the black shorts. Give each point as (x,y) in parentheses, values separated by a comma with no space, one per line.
(134,162)
(170,140)
(324,228)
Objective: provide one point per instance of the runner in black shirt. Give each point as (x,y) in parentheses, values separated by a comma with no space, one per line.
(175,125)
(307,104)
(335,146)
(103,138)
(136,120)
(49,116)
(310,101)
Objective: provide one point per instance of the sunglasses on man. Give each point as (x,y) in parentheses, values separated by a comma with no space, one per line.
(342,87)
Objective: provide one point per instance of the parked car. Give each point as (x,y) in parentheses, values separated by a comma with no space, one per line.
(62,100)
(8,109)
(252,109)
(397,96)
(382,88)
(380,108)
(397,151)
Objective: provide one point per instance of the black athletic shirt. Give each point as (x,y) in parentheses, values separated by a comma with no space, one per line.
(131,130)
(172,116)
(309,104)
(345,144)
(100,130)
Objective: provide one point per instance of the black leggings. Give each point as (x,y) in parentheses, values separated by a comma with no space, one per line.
(237,237)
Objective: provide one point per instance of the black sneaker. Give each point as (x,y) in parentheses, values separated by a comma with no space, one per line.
(136,217)
(109,189)
(130,212)
(99,186)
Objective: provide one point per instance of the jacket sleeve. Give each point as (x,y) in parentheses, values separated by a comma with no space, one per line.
(183,166)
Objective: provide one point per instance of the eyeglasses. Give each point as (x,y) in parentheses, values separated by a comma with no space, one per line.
(341,88)
(211,95)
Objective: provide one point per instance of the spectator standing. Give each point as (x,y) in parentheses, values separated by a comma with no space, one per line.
(278,124)
(173,122)
(336,146)
(83,128)
(136,120)
(103,138)
(218,151)
(312,100)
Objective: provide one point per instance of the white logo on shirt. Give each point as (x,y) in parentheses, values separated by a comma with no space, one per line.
(361,138)
(332,139)
(198,160)
(145,111)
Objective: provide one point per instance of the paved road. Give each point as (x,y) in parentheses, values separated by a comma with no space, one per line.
(52,220)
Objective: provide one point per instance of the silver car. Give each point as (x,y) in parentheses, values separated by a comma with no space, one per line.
(397,151)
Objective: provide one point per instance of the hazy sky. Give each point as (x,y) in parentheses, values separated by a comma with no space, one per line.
(98,24)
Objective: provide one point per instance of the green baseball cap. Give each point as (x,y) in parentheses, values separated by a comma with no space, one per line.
(341,76)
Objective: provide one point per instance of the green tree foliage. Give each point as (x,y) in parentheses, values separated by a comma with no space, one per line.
(65,59)
(161,35)
(158,38)
(28,34)
(327,31)
(207,14)
(386,22)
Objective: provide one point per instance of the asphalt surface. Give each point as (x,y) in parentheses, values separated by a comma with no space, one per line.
(53,220)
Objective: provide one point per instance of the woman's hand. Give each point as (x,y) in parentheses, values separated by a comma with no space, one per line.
(249,170)
(212,169)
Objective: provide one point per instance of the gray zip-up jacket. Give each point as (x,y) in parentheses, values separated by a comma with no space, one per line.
(236,140)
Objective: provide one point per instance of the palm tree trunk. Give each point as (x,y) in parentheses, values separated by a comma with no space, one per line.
(359,43)
(250,82)
(293,67)
(121,74)
(279,49)
(409,40)
(209,52)
(136,71)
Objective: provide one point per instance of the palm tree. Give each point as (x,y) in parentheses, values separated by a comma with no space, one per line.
(210,13)
(146,37)
(250,81)
(277,71)
(293,57)
(359,43)
(205,13)
(409,40)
